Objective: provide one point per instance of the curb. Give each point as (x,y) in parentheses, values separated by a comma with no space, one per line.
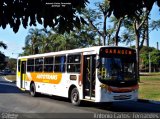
(148,101)
(8,80)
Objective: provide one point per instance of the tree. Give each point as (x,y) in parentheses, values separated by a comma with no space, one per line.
(46,12)
(2,56)
(79,38)
(2,61)
(109,35)
(12,64)
(128,32)
(117,25)
(44,40)
(134,10)
(3,45)
(144,57)
(154,58)
(32,41)
(92,16)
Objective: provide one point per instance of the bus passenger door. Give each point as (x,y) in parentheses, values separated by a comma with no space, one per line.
(89,76)
(23,74)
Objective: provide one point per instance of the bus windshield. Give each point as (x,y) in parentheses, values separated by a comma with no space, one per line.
(119,69)
(117,66)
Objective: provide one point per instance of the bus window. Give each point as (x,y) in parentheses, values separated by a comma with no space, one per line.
(60,63)
(39,64)
(30,65)
(48,64)
(73,63)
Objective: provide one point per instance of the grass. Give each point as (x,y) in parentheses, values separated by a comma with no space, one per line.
(149,86)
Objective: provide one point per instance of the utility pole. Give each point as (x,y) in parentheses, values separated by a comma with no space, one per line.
(157,46)
(149,63)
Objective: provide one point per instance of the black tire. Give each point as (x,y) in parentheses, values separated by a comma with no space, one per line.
(33,92)
(75,97)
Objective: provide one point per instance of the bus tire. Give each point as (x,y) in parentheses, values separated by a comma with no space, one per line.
(75,100)
(33,92)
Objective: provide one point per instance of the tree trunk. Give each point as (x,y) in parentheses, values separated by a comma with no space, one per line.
(147,34)
(104,40)
(117,31)
(137,49)
(109,39)
(137,56)
(99,40)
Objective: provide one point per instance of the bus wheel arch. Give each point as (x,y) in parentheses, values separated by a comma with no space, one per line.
(33,92)
(73,94)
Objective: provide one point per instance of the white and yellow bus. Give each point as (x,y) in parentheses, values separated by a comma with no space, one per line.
(97,74)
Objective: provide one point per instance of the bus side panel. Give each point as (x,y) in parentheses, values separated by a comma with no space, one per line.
(60,89)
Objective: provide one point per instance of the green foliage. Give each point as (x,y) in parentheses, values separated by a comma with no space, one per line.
(146,49)
(2,56)
(2,61)
(133,8)
(46,12)
(43,40)
(154,57)
(11,64)
(98,21)
(32,40)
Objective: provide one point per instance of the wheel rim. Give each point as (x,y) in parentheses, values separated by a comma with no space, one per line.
(75,97)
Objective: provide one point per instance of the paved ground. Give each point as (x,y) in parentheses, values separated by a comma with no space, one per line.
(14,101)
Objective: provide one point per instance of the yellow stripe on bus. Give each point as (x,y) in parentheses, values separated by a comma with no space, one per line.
(19,74)
(53,78)
(23,59)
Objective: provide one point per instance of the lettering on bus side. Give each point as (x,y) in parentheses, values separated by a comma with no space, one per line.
(47,76)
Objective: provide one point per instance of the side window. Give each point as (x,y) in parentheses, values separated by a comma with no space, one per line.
(60,63)
(30,65)
(48,64)
(39,64)
(73,63)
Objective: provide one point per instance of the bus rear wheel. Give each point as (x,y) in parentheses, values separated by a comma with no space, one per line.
(33,92)
(75,97)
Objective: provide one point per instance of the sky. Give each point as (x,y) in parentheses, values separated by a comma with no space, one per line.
(15,41)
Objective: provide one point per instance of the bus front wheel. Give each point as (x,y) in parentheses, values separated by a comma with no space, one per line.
(75,97)
(33,90)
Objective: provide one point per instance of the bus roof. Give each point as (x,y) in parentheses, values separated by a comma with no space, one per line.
(73,51)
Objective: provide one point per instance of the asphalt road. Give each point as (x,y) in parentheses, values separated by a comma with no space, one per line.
(14,102)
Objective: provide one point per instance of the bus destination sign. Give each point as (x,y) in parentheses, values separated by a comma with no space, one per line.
(116,51)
